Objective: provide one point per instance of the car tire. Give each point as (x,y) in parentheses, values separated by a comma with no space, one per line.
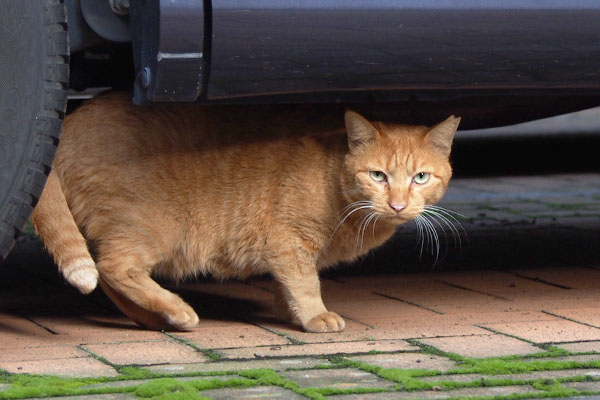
(34,75)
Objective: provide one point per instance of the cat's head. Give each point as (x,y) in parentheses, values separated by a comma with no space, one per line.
(397,169)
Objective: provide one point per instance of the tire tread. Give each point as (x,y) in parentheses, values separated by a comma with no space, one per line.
(46,130)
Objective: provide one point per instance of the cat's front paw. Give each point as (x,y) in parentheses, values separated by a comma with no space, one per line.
(326,322)
(184,318)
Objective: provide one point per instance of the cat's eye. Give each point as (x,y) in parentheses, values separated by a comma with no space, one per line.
(378,176)
(421,178)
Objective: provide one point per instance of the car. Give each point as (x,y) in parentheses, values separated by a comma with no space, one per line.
(494,62)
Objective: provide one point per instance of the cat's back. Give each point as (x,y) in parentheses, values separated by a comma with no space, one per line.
(168,159)
(112,128)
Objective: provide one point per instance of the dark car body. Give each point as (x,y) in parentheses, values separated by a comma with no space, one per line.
(497,60)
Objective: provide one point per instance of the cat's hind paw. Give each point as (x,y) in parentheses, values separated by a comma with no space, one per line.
(83,275)
(326,322)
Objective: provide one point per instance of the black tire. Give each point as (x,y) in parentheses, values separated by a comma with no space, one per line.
(34,74)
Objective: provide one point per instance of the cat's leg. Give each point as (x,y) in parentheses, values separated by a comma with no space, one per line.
(126,281)
(298,285)
(280,304)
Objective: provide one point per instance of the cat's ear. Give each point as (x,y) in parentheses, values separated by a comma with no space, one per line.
(442,134)
(360,131)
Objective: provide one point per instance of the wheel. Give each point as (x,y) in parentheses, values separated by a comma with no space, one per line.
(34,74)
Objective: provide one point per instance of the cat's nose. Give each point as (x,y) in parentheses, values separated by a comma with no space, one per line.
(397,207)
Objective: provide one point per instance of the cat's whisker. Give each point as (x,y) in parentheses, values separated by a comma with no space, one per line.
(372,216)
(355,204)
(436,216)
(426,235)
(446,210)
(448,216)
(420,235)
(435,238)
(360,234)
(375,223)
(455,222)
(349,210)
(433,218)
(360,225)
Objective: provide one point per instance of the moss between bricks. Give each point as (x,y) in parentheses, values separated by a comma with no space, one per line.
(168,387)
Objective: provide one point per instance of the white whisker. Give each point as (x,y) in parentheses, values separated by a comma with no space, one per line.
(446,215)
(435,237)
(438,216)
(351,209)
(420,236)
(451,213)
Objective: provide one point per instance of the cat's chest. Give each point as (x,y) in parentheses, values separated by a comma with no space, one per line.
(354,239)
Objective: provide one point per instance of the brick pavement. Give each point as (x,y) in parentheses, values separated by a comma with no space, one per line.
(522,289)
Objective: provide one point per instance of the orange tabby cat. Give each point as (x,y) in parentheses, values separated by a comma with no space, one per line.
(231,192)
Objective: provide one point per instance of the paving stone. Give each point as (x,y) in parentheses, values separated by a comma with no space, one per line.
(317,349)
(346,378)
(444,298)
(588,315)
(502,284)
(73,367)
(17,332)
(567,373)
(548,331)
(580,347)
(41,353)
(482,318)
(408,361)
(234,335)
(430,394)
(354,331)
(573,277)
(590,386)
(482,345)
(275,364)
(93,329)
(145,353)
(258,392)
(436,326)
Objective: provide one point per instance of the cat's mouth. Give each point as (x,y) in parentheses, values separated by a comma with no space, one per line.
(401,218)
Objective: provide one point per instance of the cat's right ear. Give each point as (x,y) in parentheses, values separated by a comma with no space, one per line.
(360,131)
(442,134)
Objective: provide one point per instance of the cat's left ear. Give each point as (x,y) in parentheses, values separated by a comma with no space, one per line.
(442,134)
(360,131)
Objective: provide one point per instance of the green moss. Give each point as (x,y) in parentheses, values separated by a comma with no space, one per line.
(28,386)
(24,386)
(550,351)
(211,354)
(130,373)
(167,388)
(497,366)
(334,391)
(264,376)
(567,206)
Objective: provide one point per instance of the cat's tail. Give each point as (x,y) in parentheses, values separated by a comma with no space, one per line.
(54,223)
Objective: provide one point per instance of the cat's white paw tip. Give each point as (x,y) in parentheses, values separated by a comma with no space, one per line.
(326,322)
(84,279)
(185,319)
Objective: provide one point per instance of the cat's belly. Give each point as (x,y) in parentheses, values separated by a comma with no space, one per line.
(221,259)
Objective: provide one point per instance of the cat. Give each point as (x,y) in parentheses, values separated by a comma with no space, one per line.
(229,191)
